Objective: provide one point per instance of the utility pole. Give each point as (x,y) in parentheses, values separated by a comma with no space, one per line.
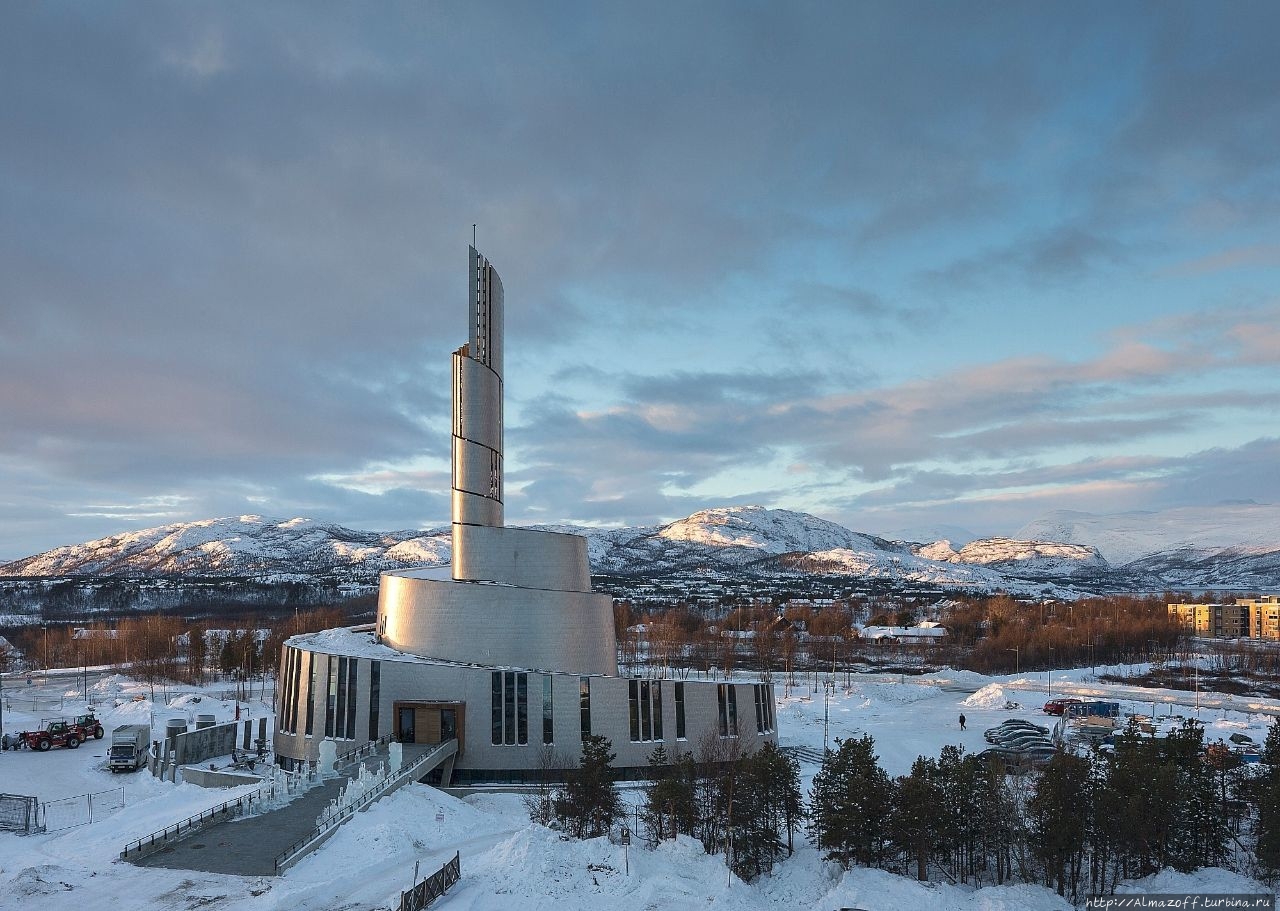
(1048,675)
(1017,660)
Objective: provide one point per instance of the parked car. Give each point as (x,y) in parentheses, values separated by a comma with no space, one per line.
(998,735)
(1017,724)
(1018,761)
(1024,741)
(1058,706)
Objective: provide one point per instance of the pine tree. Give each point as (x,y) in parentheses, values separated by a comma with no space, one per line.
(849,805)
(911,824)
(1268,806)
(589,805)
(670,807)
(1059,811)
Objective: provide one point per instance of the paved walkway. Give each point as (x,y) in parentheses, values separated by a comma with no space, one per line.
(249,846)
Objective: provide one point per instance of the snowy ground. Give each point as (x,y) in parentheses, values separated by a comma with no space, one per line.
(507,862)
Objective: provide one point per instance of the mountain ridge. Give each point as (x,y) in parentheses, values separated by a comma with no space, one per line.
(741,539)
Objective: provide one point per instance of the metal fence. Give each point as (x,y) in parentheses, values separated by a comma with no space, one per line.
(431,888)
(80,810)
(19,813)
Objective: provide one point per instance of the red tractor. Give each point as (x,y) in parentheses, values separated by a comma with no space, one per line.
(55,734)
(90,725)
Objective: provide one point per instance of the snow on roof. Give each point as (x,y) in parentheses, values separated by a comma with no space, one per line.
(903,632)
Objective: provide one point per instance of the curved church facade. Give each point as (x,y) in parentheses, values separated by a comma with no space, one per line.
(507,649)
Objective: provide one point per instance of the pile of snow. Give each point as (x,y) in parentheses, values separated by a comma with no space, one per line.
(990,696)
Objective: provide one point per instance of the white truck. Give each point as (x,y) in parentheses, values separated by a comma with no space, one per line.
(129,744)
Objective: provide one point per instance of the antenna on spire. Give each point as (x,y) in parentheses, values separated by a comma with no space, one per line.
(473,235)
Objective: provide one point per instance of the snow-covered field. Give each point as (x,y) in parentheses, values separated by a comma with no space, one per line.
(507,862)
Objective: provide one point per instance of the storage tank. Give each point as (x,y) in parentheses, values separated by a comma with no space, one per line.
(205,721)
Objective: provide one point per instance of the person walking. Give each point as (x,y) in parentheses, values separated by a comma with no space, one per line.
(962,722)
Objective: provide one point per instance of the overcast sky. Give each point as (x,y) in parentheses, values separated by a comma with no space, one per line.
(895,264)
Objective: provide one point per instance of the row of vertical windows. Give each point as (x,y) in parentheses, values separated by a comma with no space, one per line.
(765,721)
(727,696)
(375,695)
(584,702)
(510,708)
(644,699)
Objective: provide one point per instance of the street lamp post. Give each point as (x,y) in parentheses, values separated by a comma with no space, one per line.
(1048,675)
(1017,660)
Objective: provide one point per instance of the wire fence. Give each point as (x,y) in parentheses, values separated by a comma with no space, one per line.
(19,813)
(81,810)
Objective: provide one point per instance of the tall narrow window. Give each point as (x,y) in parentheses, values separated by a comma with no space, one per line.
(548,728)
(680,735)
(295,691)
(657,710)
(311,694)
(584,701)
(495,701)
(728,706)
(522,708)
(331,701)
(375,696)
(286,704)
(633,707)
(759,709)
(352,664)
(340,722)
(509,714)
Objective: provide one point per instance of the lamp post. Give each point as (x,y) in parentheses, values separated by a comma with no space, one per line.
(1048,674)
(1017,660)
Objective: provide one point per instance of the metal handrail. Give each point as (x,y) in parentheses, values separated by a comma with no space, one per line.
(362,751)
(226,809)
(339,816)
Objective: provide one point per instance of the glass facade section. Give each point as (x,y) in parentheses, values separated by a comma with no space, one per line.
(548,728)
(495,700)
(727,703)
(522,708)
(644,704)
(509,702)
(633,707)
(680,729)
(340,724)
(311,694)
(352,664)
(375,696)
(764,708)
(331,701)
(509,708)
(584,702)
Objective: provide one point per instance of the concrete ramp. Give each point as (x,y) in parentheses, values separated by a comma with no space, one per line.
(268,843)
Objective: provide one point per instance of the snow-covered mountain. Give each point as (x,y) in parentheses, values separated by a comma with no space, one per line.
(1125,537)
(1046,559)
(241,546)
(739,540)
